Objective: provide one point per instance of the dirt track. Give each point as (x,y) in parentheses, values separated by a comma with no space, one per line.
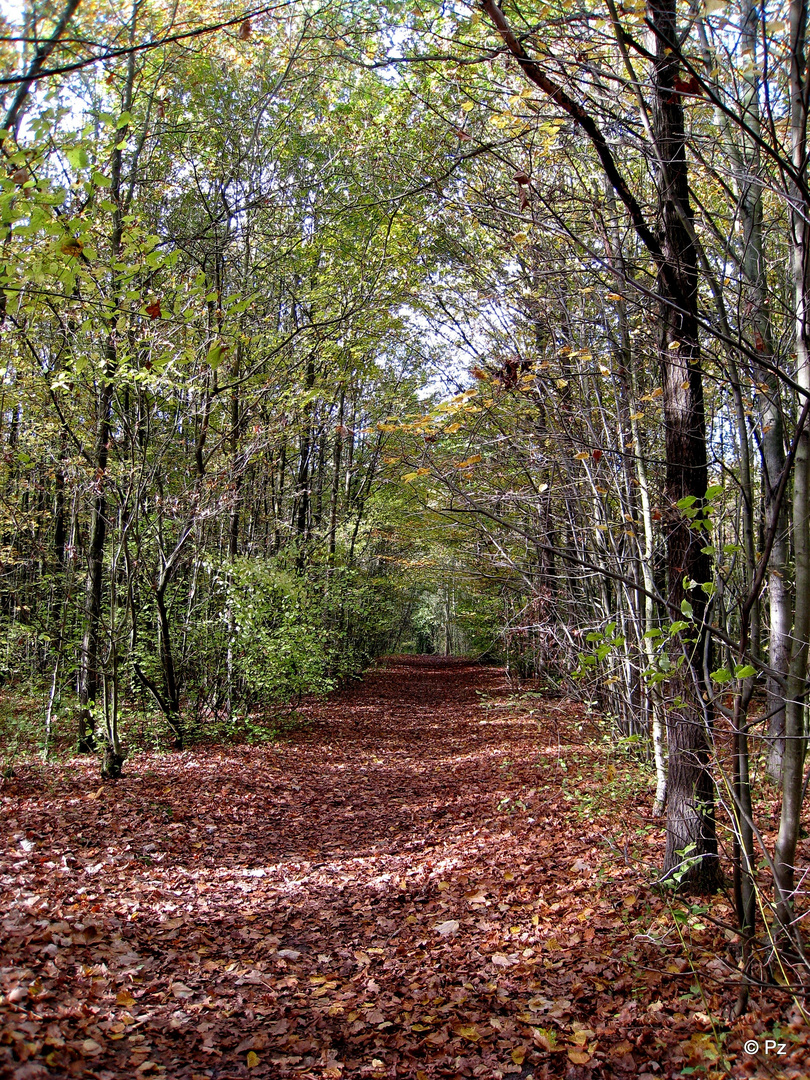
(408,887)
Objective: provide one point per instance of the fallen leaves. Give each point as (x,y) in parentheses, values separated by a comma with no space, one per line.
(353,903)
(447,928)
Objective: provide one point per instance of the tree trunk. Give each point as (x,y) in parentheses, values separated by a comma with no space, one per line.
(691,851)
(795,737)
(88,672)
(89,661)
(690,820)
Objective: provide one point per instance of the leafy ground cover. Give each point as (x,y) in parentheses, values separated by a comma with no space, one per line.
(422,881)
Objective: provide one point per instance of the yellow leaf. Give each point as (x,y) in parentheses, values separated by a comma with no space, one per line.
(72,246)
(469,1031)
(252,1059)
(508,876)
(514,929)
(125,999)
(474,459)
(637,416)
(674,345)
(657,392)
(579,1057)
(518,1054)
(582,456)
(562,383)
(408,476)
(520,237)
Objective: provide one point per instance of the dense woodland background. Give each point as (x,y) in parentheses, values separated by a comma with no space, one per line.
(343,329)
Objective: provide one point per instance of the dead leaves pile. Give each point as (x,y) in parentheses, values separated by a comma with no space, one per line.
(409,888)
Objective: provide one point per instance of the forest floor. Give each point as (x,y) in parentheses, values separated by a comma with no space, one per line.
(427,878)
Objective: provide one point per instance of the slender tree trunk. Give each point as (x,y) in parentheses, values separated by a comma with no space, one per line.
(302,494)
(772,445)
(89,662)
(335,492)
(170,682)
(89,673)
(795,732)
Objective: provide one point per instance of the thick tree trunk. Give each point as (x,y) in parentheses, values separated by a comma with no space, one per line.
(691,851)
(690,821)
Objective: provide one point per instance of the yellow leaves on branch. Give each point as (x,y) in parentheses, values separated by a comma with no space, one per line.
(407,477)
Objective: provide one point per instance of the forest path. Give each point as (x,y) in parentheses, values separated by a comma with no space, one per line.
(408,887)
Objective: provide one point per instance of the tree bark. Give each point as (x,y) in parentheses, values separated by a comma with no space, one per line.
(89,661)
(795,729)
(691,851)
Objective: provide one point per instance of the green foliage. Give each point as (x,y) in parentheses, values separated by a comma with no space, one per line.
(280,645)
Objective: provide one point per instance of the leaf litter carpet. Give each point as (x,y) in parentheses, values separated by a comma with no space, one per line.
(425,880)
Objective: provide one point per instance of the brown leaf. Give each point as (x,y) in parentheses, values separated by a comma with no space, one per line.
(579,1057)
